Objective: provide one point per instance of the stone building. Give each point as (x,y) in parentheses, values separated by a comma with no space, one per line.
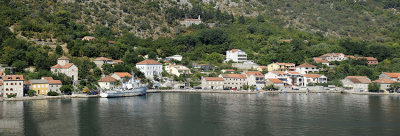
(64,66)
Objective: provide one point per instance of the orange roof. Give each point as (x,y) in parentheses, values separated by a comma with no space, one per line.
(213,79)
(233,75)
(294,73)
(54,81)
(359,79)
(13,77)
(369,58)
(384,81)
(63,58)
(313,75)
(262,67)
(65,66)
(392,75)
(306,65)
(331,54)
(286,40)
(123,74)
(279,72)
(319,60)
(1,73)
(1,82)
(148,62)
(235,50)
(255,73)
(107,79)
(102,58)
(47,78)
(275,81)
(27,82)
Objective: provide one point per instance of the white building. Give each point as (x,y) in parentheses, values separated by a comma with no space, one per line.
(356,83)
(234,80)
(287,77)
(334,57)
(13,84)
(385,83)
(150,68)
(306,68)
(177,70)
(107,82)
(314,79)
(255,78)
(63,66)
(212,83)
(189,22)
(175,57)
(236,55)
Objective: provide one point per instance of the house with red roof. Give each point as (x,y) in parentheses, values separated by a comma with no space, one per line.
(281,67)
(212,83)
(384,83)
(177,70)
(64,66)
(236,55)
(392,76)
(150,68)
(189,22)
(107,82)
(276,82)
(255,78)
(356,83)
(320,60)
(12,84)
(314,79)
(334,57)
(306,68)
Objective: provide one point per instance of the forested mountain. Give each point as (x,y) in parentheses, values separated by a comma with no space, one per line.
(268,30)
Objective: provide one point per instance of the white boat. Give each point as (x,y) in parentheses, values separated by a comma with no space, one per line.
(132,88)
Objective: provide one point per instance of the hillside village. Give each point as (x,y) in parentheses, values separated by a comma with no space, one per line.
(244,75)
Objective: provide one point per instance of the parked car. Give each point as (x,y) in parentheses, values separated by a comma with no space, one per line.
(234,89)
(226,89)
(92,92)
(197,88)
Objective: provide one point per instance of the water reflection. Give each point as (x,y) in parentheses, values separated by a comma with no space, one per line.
(205,114)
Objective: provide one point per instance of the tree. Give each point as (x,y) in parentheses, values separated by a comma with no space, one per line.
(31,92)
(260,18)
(215,58)
(271,88)
(97,72)
(20,65)
(107,69)
(59,50)
(395,87)
(66,89)
(241,20)
(245,87)
(374,87)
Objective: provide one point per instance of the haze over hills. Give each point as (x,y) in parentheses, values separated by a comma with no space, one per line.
(367,19)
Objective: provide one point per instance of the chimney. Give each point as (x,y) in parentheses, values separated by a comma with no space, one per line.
(199,17)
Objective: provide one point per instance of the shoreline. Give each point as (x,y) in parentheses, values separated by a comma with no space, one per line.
(190,91)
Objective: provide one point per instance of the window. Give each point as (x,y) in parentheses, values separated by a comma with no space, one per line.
(12,83)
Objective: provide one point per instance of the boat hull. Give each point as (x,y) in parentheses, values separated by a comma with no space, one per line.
(124,93)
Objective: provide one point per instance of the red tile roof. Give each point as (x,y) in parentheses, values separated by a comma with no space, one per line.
(306,65)
(230,70)
(111,41)
(359,79)
(102,58)
(331,54)
(123,74)
(1,83)
(286,40)
(13,77)
(118,61)
(275,81)
(107,79)
(213,79)
(286,64)
(62,67)
(392,75)
(234,50)
(294,73)
(384,81)
(54,81)
(279,72)
(255,73)
(148,62)
(313,75)
(233,75)
(319,60)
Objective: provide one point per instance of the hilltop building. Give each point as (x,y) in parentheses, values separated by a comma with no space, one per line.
(236,55)
(63,66)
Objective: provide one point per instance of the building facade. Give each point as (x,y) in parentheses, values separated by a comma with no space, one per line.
(100,61)
(107,83)
(334,57)
(189,22)
(356,83)
(214,83)
(236,55)
(40,86)
(306,68)
(281,67)
(63,66)
(13,84)
(255,78)
(121,76)
(150,68)
(392,76)
(177,70)
(175,57)
(314,79)
(384,83)
(234,81)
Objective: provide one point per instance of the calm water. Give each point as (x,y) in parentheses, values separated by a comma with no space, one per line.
(205,115)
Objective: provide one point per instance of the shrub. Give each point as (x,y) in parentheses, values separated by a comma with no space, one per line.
(51,93)
(31,92)
(11,95)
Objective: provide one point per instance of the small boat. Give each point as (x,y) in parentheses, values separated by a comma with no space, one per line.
(132,88)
